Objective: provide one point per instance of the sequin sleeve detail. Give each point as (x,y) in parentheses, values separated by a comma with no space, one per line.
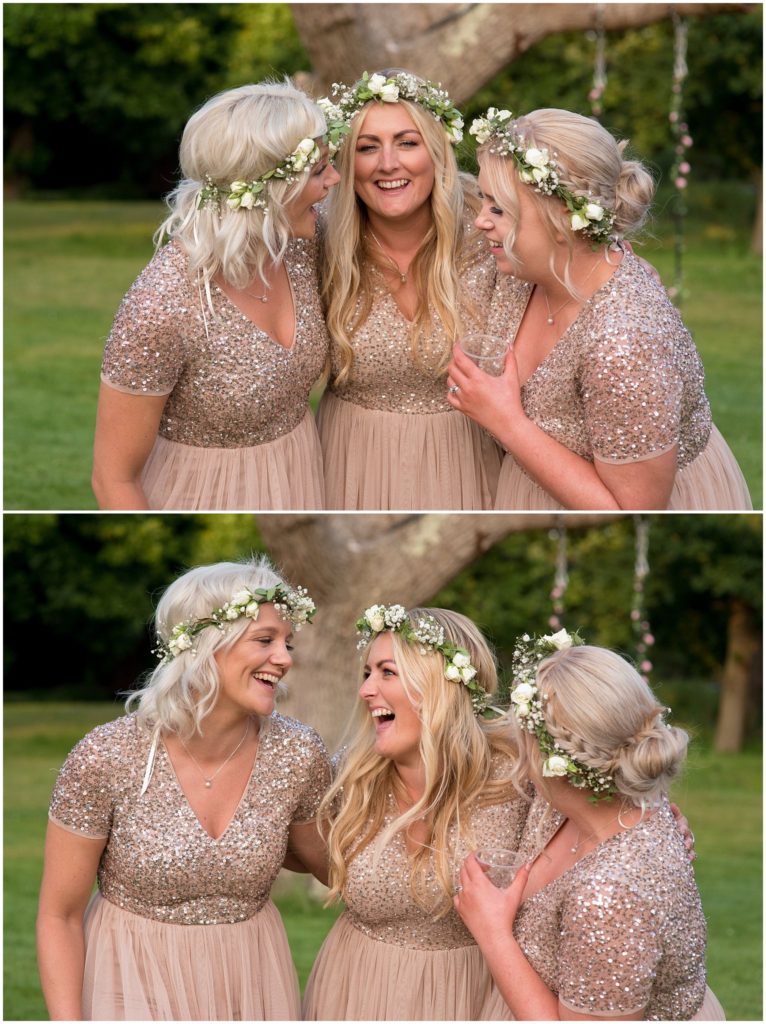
(83,800)
(632,391)
(608,925)
(144,352)
(316,775)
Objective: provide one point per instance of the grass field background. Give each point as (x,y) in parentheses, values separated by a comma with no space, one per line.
(68,264)
(721,794)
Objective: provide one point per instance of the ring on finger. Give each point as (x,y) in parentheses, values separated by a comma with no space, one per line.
(453,389)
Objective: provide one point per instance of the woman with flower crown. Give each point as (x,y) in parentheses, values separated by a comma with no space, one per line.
(424,779)
(604,920)
(404,275)
(214,350)
(184,811)
(601,404)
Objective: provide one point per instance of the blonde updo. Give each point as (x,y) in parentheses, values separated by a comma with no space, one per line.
(239,135)
(600,711)
(589,162)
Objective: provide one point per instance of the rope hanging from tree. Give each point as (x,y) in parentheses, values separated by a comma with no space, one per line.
(599,67)
(638,616)
(682,140)
(561,577)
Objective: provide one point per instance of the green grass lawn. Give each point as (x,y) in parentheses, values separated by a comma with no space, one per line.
(68,264)
(721,795)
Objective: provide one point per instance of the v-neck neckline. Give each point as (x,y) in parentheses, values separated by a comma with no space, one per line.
(245,790)
(259,329)
(565,335)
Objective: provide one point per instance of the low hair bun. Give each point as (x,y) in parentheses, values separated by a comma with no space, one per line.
(646,765)
(634,191)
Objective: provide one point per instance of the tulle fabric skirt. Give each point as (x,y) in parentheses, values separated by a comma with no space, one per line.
(140,969)
(711,1009)
(712,481)
(359,978)
(385,460)
(285,474)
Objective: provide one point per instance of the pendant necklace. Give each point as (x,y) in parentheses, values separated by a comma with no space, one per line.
(209,779)
(551,318)
(592,835)
(391,260)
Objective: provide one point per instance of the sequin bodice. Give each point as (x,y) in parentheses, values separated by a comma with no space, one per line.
(385,374)
(377,893)
(623,929)
(229,384)
(625,381)
(159,862)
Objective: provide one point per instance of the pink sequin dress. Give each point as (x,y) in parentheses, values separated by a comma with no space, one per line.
(182,927)
(387,959)
(236,431)
(623,384)
(621,931)
(390,438)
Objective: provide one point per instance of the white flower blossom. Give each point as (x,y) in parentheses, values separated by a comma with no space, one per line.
(461,660)
(376,83)
(390,93)
(522,710)
(305,146)
(452,672)
(555,766)
(233,202)
(560,640)
(376,618)
(182,642)
(252,610)
(523,693)
(238,186)
(467,673)
(594,212)
(232,613)
(536,157)
(243,597)
(579,221)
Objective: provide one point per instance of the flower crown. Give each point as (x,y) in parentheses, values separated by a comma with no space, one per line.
(527,705)
(429,637)
(293,604)
(347,101)
(248,195)
(537,168)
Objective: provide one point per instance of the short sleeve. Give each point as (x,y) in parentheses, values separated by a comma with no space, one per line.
(316,778)
(82,800)
(631,390)
(144,352)
(610,946)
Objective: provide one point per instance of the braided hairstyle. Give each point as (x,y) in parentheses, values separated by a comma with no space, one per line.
(601,712)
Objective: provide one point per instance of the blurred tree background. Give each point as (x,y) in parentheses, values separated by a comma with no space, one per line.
(82,588)
(96,94)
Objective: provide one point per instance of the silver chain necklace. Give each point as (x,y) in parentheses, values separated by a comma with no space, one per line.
(550,319)
(391,260)
(209,779)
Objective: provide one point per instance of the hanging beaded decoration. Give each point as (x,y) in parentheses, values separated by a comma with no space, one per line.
(682,141)
(561,577)
(599,67)
(638,616)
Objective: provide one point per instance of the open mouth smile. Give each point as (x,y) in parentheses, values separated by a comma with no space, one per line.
(393,186)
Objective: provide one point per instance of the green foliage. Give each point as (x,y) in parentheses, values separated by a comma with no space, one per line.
(88,584)
(722,94)
(721,794)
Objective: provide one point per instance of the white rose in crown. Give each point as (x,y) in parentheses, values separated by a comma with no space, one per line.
(526,176)
(461,660)
(455,133)
(523,693)
(594,212)
(238,186)
(452,672)
(243,597)
(299,162)
(251,611)
(306,146)
(182,642)
(560,640)
(390,93)
(467,674)
(375,617)
(232,613)
(522,710)
(233,202)
(536,157)
(503,115)
(539,173)
(247,201)
(376,83)
(579,221)
(555,766)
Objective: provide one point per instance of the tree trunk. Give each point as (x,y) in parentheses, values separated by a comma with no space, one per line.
(348,562)
(460,45)
(742,653)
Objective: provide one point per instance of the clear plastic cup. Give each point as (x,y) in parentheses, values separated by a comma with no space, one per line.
(500,866)
(488,351)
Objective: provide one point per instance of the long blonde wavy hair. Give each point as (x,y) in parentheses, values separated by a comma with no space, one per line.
(239,135)
(348,254)
(457,752)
